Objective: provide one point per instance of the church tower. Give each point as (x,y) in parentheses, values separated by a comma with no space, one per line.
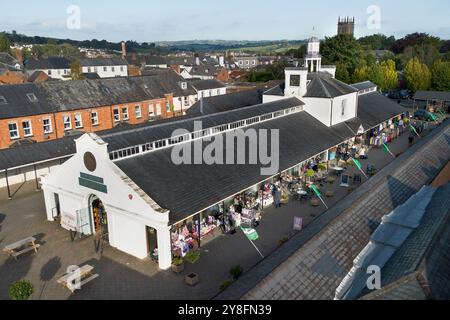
(313,59)
(346,26)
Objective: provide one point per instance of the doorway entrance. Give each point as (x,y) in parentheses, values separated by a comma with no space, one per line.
(152,243)
(99,223)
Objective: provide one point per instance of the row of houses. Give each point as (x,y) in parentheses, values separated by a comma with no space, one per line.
(50,110)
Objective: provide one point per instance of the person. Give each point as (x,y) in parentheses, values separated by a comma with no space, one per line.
(410,140)
(362,153)
(400,126)
(277,198)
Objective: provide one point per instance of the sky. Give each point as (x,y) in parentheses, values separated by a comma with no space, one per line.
(172,20)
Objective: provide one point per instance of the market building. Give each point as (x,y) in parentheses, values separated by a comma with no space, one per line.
(124,188)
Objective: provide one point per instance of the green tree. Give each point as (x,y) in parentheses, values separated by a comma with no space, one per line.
(342,73)
(441,76)
(75,70)
(361,74)
(4,43)
(417,75)
(343,50)
(390,75)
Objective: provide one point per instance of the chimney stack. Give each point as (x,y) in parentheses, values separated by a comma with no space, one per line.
(124,49)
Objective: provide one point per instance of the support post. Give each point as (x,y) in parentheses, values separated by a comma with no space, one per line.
(7,184)
(36,177)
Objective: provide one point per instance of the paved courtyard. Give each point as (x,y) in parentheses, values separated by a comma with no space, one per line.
(125,277)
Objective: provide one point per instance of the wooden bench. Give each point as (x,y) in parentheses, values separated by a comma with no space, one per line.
(85,275)
(20,247)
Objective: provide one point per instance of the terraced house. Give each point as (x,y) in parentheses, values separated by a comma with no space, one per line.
(32,113)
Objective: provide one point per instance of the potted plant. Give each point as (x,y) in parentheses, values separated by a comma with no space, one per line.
(322,166)
(236,272)
(284,198)
(177,265)
(192,256)
(21,290)
(192,279)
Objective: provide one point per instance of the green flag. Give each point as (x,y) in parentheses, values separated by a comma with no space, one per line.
(250,233)
(358,164)
(413,129)
(316,191)
(386,149)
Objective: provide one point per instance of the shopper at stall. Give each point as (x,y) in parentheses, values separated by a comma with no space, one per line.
(277,197)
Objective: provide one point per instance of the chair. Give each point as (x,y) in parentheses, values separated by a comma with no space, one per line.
(357,178)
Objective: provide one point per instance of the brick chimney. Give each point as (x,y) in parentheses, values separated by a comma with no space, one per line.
(124,49)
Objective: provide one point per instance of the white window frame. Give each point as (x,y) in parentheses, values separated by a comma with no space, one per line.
(94,118)
(16,131)
(158,109)
(116,115)
(105,69)
(125,115)
(343,107)
(67,120)
(49,125)
(29,128)
(113,69)
(80,120)
(138,112)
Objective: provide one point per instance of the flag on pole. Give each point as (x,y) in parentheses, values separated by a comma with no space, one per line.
(358,164)
(386,149)
(414,130)
(360,167)
(316,191)
(250,233)
(318,194)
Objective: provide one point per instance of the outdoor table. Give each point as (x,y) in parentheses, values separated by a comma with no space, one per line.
(85,276)
(14,248)
(338,170)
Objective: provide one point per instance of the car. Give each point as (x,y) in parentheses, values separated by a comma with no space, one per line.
(424,115)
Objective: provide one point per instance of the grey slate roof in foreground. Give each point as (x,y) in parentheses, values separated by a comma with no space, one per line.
(188,189)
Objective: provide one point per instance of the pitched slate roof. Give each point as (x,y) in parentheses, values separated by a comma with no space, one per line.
(227,102)
(103,62)
(364,85)
(207,84)
(56,96)
(432,95)
(197,187)
(323,85)
(19,104)
(49,63)
(7,60)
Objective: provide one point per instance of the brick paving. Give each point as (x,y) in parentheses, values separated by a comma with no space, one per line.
(125,277)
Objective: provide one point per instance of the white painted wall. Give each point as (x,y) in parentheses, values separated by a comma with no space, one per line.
(129,209)
(319,108)
(109,73)
(59,74)
(350,110)
(211,92)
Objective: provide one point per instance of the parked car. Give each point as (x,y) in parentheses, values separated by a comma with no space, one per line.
(399,94)
(424,115)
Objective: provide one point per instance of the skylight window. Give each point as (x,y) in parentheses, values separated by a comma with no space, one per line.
(3,100)
(32,97)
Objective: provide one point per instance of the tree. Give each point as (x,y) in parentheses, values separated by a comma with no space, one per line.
(441,76)
(415,39)
(75,70)
(361,74)
(4,43)
(389,74)
(344,50)
(342,73)
(377,42)
(417,75)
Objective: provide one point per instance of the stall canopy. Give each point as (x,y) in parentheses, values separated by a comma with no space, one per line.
(432,96)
